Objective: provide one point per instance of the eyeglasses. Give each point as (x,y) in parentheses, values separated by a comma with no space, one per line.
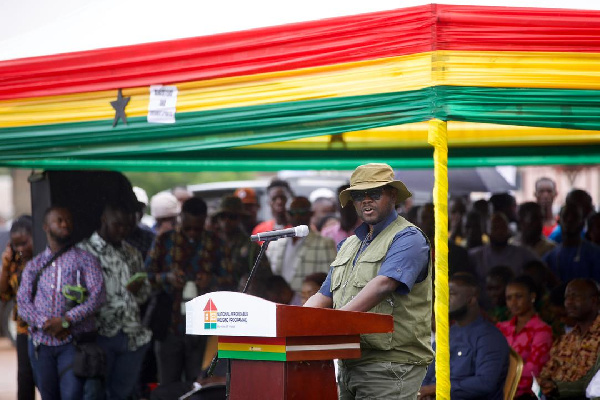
(360,195)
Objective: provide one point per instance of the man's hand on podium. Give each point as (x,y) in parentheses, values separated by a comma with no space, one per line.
(319,300)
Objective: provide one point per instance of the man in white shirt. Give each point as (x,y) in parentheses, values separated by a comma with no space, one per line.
(295,258)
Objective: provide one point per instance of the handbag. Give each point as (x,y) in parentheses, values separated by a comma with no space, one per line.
(90,358)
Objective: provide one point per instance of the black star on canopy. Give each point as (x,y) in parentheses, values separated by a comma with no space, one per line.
(119,106)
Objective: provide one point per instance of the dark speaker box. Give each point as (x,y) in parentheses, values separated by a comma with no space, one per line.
(84,193)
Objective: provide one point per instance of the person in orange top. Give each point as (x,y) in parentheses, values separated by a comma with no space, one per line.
(14,258)
(279,193)
(545,193)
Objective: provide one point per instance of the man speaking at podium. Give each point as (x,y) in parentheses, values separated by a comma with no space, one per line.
(384,268)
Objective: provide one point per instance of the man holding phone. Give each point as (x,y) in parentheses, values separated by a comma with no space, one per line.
(120,331)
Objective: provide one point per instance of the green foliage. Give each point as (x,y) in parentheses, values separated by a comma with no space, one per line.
(154,182)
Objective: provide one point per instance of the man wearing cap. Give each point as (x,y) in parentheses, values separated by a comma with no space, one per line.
(183,263)
(239,253)
(165,208)
(384,268)
(251,206)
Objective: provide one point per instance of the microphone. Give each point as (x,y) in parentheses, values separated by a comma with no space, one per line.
(298,231)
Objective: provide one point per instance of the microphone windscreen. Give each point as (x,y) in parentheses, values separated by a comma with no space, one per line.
(301,230)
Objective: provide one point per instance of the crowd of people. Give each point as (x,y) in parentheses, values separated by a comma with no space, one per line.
(520,277)
(125,287)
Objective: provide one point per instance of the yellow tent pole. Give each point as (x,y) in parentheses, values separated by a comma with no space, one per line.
(438,138)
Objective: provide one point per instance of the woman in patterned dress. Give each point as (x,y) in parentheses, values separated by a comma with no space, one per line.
(14,258)
(525,332)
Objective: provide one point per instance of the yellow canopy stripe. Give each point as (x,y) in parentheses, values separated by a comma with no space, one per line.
(462,134)
(395,74)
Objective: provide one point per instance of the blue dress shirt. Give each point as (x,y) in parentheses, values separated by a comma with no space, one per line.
(406,260)
(478,362)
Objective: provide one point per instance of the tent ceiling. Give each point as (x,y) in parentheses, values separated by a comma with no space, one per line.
(321,94)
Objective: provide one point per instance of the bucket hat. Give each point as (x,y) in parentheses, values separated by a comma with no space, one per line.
(374,175)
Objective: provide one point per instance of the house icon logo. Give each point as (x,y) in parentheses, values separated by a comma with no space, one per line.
(210,315)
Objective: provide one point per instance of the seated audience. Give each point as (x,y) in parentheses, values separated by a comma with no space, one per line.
(581,199)
(499,251)
(458,258)
(574,257)
(478,350)
(494,297)
(475,236)
(456,211)
(506,204)
(530,230)
(574,356)
(593,229)
(526,333)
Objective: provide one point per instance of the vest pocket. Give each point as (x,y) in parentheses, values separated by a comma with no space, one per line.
(367,271)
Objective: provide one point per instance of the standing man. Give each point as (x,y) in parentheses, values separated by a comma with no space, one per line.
(184,263)
(383,268)
(295,258)
(279,193)
(120,331)
(251,207)
(52,325)
(545,193)
(239,253)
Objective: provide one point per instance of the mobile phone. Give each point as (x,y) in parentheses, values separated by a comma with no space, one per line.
(137,276)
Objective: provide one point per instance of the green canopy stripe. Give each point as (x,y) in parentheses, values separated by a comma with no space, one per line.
(261,160)
(197,135)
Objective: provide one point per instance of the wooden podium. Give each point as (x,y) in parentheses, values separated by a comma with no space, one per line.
(279,351)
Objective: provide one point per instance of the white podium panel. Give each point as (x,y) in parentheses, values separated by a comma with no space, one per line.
(230,314)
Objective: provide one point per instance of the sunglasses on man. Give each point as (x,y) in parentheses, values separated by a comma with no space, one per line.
(360,195)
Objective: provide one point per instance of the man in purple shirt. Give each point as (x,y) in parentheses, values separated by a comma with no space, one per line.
(52,323)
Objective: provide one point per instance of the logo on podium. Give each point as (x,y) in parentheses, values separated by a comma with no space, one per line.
(210,315)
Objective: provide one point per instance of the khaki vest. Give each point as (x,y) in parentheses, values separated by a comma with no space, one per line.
(411,340)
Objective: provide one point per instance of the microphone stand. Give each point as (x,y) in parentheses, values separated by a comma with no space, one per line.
(263,248)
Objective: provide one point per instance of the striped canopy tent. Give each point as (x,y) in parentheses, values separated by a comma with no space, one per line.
(498,85)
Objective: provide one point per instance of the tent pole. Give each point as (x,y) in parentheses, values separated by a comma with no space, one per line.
(438,138)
